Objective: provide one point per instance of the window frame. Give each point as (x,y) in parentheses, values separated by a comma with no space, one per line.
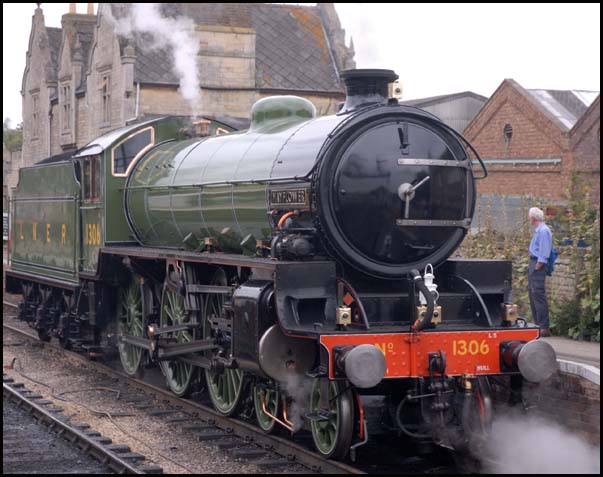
(66,110)
(138,154)
(92,183)
(35,108)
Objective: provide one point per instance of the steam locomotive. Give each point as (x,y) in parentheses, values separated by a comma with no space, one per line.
(301,265)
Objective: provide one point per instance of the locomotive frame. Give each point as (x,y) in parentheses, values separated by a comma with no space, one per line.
(274,298)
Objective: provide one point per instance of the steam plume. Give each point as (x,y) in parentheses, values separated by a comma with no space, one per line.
(528,445)
(157,31)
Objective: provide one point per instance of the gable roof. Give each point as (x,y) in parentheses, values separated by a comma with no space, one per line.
(592,109)
(292,48)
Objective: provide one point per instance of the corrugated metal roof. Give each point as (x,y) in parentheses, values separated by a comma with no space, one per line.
(566,106)
(456,110)
(422,102)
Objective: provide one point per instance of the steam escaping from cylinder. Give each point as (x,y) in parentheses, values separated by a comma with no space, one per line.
(519,444)
(299,388)
(156,31)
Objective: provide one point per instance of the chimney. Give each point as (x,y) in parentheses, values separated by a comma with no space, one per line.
(72,8)
(90,9)
(366,87)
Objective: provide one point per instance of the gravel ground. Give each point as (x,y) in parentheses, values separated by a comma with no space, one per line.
(163,444)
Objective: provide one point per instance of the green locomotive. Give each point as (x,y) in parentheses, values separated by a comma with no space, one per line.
(255,260)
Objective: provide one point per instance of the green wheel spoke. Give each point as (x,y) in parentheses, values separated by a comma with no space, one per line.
(130,322)
(178,374)
(271,398)
(231,385)
(225,390)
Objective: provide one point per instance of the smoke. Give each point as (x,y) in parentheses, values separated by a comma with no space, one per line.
(157,32)
(528,445)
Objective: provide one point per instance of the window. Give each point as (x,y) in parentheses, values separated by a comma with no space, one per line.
(106,98)
(92,182)
(66,100)
(35,115)
(508,133)
(126,152)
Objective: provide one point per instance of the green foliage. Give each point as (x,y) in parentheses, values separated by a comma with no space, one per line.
(13,138)
(579,223)
(583,224)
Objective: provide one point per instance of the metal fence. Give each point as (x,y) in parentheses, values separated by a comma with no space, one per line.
(504,213)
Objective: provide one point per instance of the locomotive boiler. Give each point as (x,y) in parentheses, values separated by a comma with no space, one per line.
(301,265)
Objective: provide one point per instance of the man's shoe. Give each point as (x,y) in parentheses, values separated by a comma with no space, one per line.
(545,332)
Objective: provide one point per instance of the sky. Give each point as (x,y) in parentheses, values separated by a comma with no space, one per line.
(434,48)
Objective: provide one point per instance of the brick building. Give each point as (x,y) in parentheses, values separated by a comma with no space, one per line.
(534,140)
(83,80)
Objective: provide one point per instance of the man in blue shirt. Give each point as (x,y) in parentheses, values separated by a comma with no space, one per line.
(540,249)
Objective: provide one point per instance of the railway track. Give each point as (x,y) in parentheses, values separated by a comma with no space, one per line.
(243,440)
(26,443)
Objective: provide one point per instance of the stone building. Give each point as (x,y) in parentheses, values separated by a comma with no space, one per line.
(11,162)
(83,80)
(534,140)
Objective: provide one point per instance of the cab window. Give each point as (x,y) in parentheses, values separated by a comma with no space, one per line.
(92,183)
(125,152)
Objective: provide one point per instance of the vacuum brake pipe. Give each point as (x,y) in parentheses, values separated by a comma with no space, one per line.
(421,324)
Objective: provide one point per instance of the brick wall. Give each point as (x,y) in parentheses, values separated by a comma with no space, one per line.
(585,141)
(572,401)
(534,137)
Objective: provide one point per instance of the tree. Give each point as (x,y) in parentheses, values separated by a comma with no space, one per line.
(13,138)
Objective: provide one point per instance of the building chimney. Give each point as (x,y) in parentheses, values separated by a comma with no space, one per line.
(366,87)
(90,9)
(72,8)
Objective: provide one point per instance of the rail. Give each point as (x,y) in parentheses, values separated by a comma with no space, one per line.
(91,446)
